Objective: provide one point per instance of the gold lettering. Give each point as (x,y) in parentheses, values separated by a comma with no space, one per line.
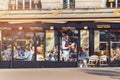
(103,26)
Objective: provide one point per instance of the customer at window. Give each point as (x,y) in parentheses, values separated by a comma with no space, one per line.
(117,54)
(28,55)
(83,57)
(6,55)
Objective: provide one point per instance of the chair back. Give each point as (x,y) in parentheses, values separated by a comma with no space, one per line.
(103,58)
(93,57)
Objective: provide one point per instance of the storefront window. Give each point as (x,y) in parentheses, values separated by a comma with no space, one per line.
(23,46)
(51,48)
(6,43)
(84,45)
(0,42)
(101,42)
(40,46)
(115,45)
(68,41)
(84,36)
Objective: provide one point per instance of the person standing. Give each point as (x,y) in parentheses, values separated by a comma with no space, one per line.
(66,48)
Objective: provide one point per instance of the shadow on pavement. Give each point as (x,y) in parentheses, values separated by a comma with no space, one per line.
(113,74)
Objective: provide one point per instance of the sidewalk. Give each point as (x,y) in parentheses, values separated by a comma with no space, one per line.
(60,74)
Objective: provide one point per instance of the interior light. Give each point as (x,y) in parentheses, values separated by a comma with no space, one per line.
(52,27)
(85,27)
(20,28)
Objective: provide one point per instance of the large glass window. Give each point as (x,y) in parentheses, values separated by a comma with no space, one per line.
(84,39)
(115,45)
(40,46)
(68,41)
(101,42)
(84,44)
(6,43)
(51,48)
(23,45)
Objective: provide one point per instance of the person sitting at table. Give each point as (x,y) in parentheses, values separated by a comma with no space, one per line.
(83,57)
(116,54)
(19,53)
(28,55)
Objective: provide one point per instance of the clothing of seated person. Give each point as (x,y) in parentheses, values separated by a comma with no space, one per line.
(54,53)
(83,57)
(39,57)
(116,54)
(51,58)
(40,50)
(6,55)
(28,55)
(84,54)
(21,53)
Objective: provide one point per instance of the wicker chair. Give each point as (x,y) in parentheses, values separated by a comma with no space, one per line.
(93,60)
(103,60)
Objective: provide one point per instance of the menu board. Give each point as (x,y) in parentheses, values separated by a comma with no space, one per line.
(4,4)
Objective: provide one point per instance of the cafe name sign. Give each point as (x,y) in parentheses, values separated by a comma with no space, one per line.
(103,26)
(111,0)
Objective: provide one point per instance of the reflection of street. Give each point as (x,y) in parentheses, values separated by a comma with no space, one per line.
(61,74)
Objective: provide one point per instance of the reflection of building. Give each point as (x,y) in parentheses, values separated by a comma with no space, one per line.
(96,29)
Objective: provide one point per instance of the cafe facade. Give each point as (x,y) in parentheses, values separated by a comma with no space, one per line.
(41,32)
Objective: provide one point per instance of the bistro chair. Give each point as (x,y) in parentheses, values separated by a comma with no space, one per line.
(93,60)
(103,60)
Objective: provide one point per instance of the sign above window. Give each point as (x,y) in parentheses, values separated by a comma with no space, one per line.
(103,26)
(111,0)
